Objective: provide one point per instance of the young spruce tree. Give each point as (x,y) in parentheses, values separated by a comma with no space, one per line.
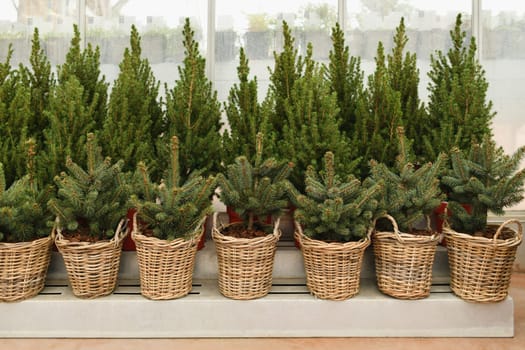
(346,80)
(85,66)
(193,114)
(404,78)
(410,193)
(288,68)
(135,117)
(246,117)
(15,116)
(459,111)
(311,126)
(40,80)
(380,114)
(485,179)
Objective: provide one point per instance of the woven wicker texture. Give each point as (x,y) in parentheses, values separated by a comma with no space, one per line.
(245,265)
(480,268)
(404,262)
(92,268)
(165,267)
(332,270)
(23,268)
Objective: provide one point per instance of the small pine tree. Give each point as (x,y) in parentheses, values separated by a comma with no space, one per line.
(93,200)
(70,119)
(346,80)
(334,210)
(311,127)
(410,194)
(40,81)
(255,190)
(85,66)
(193,114)
(24,215)
(404,77)
(135,117)
(169,209)
(458,97)
(246,116)
(485,179)
(288,68)
(380,114)
(15,116)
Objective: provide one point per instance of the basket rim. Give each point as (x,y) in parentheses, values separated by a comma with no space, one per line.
(496,241)
(405,237)
(24,244)
(121,232)
(300,236)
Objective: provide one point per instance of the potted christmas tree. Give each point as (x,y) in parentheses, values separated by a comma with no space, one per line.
(246,250)
(404,256)
(170,217)
(25,242)
(246,117)
(89,208)
(481,256)
(334,221)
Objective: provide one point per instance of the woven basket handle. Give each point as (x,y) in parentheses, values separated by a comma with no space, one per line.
(119,235)
(519,233)
(396,228)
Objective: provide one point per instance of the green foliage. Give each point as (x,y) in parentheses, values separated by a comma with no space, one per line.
(23,206)
(91,200)
(255,190)
(287,69)
(410,193)
(336,210)
(169,209)
(85,66)
(484,179)
(40,80)
(246,117)
(194,113)
(346,80)
(458,97)
(70,119)
(15,116)
(380,114)
(404,78)
(311,127)
(135,117)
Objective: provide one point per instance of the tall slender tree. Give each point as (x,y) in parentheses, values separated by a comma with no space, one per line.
(459,111)
(193,113)
(246,117)
(135,117)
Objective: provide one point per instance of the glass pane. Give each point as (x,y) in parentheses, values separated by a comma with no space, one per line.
(428,24)
(54,20)
(256,25)
(503,48)
(159,24)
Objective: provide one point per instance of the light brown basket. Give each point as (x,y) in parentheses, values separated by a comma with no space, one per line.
(245,265)
(404,262)
(165,267)
(480,268)
(23,268)
(92,268)
(333,270)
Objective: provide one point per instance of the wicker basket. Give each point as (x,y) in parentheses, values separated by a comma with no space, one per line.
(166,267)
(23,268)
(333,270)
(92,268)
(404,262)
(480,268)
(245,265)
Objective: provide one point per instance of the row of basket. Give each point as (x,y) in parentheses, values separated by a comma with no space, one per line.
(480,268)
